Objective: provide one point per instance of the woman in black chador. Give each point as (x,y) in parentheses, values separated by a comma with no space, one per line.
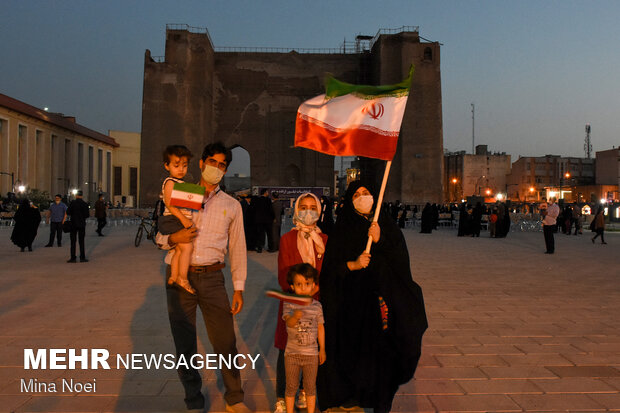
(27,219)
(374,311)
(426,221)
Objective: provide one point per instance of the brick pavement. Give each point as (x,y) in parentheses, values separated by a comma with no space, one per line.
(511,329)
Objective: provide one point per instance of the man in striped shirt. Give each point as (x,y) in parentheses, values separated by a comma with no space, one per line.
(218,229)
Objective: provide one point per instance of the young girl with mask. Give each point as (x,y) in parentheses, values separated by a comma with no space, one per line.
(374,311)
(304,243)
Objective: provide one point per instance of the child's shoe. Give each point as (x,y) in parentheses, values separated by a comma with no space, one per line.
(280,407)
(300,403)
(184,284)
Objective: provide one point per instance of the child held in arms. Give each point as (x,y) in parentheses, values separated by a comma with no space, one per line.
(305,329)
(176,160)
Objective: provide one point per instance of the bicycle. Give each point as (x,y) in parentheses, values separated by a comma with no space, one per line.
(149,226)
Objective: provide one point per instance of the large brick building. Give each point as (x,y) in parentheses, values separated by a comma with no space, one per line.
(199,94)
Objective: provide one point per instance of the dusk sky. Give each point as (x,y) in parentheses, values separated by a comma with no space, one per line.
(537,71)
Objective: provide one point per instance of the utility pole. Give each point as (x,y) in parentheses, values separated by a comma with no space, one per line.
(473,133)
(587,146)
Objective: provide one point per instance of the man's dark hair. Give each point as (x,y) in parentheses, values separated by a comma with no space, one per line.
(180,151)
(274,194)
(305,270)
(58,195)
(217,147)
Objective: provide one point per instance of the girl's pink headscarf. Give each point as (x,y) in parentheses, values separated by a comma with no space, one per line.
(309,241)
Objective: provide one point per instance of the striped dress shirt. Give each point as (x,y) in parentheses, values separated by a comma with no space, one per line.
(220,228)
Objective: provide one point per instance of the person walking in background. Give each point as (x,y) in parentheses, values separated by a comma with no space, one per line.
(56,215)
(599,224)
(100,214)
(248,221)
(264,221)
(426,224)
(78,211)
(493,223)
(276,205)
(550,224)
(27,219)
(577,219)
(476,219)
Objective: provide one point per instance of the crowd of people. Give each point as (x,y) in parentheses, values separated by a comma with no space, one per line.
(62,218)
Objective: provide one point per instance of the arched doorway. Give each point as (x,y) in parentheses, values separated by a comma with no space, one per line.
(237,178)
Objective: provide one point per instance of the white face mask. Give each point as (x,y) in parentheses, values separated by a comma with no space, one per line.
(308,216)
(363,203)
(212,175)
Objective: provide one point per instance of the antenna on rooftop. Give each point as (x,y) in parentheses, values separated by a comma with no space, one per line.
(473,134)
(587,146)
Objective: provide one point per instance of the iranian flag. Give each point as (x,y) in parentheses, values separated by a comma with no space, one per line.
(349,119)
(186,195)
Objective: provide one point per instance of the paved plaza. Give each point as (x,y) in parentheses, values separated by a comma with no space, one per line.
(510,328)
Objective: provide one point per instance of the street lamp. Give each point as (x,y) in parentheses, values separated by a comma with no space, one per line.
(478,184)
(454,181)
(565,177)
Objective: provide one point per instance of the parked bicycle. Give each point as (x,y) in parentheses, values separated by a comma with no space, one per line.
(148,226)
(528,225)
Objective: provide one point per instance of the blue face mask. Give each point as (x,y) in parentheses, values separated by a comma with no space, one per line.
(307,217)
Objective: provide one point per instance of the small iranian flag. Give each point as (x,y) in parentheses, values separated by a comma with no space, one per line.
(289,297)
(352,120)
(186,195)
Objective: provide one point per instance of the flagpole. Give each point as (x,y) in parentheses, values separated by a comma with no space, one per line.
(388,165)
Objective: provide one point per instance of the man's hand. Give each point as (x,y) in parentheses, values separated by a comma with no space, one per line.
(322,356)
(183,236)
(237,302)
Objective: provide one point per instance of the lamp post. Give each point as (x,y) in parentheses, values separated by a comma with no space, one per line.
(565,176)
(477,189)
(454,181)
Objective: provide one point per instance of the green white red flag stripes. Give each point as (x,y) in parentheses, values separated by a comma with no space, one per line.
(185,195)
(289,297)
(352,120)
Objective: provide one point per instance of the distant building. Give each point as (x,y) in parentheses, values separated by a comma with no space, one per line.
(608,173)
(248,97)
(126,168)
(533,178)
(483,174)
(51,152)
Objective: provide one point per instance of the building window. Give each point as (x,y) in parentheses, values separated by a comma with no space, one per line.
(428,54)
(133,183)
(91,166)
(99,169)
(39,156)
(22,154)
(108,172)
(118,180)
(80,164)
(68,161)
